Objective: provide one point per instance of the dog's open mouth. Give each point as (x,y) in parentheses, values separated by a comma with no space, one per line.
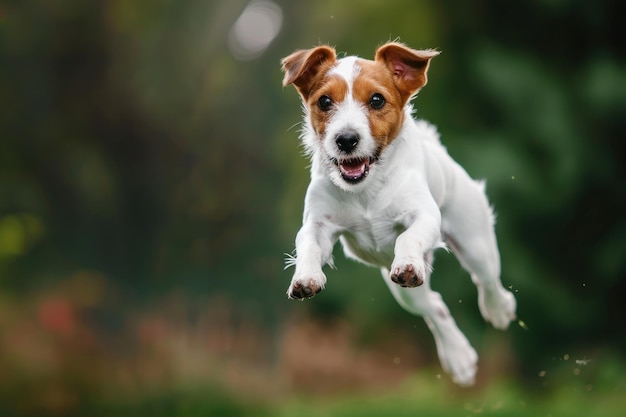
(354,170)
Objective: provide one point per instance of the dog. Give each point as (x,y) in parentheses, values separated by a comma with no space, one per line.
(384,185)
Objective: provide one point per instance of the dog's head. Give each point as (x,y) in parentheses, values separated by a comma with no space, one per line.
(354,108)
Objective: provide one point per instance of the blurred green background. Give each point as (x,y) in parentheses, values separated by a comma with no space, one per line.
(151,180)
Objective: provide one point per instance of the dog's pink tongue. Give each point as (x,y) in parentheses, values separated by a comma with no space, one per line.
(353,169)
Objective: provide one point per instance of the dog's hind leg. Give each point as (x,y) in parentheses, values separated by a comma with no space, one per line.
(456,355)
(468,229)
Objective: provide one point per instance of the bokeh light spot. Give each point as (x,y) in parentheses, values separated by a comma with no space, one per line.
(254,30)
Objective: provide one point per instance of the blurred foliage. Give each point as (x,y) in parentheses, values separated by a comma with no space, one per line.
(146,171)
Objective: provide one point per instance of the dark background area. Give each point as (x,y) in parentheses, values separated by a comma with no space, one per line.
(151,181)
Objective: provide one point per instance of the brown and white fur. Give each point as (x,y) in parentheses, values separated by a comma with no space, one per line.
(382,183)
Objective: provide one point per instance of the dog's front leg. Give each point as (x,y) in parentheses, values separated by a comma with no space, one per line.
(409,267)
(314,245)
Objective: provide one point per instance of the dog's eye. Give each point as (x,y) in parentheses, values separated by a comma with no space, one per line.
(325,103)
(377,101)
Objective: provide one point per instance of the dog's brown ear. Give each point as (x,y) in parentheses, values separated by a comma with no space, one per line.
(303,66)
(409,66)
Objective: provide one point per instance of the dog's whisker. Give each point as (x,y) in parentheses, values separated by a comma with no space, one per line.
(290,261)
(293,126)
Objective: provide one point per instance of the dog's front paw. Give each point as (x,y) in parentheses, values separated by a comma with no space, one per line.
(307,287)
(408,275)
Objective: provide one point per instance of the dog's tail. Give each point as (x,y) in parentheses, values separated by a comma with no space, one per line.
(428,131)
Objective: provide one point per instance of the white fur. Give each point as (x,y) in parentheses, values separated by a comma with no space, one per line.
(414,200)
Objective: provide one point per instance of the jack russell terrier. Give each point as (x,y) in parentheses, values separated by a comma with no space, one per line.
(382,183)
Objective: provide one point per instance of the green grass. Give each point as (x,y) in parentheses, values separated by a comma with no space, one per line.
(419,398)
(424,395)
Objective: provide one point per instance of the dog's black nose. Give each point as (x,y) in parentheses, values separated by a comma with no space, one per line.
(346,142)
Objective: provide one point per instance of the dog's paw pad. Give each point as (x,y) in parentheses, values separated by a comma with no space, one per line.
(304,288)
(407,276)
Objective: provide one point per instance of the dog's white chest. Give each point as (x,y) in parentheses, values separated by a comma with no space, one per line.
(370,236)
